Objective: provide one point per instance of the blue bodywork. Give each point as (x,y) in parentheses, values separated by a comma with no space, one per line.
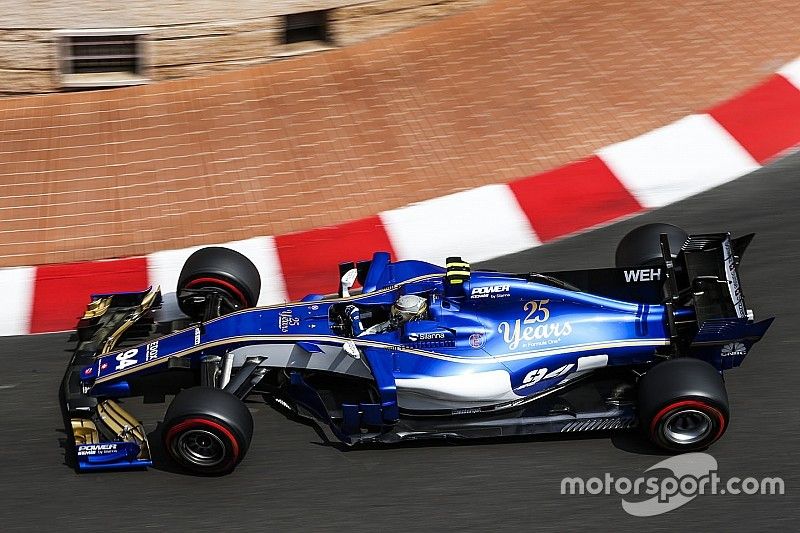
(488,347)
(523,327)
(518,338)
(110,456)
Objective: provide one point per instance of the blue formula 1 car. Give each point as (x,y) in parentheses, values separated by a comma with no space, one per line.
(419,351)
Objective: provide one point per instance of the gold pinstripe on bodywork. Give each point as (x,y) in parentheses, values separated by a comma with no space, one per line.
(182,353)
(352,298)
(331,339)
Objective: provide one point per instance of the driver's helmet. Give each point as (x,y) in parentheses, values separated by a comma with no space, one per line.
(409,307)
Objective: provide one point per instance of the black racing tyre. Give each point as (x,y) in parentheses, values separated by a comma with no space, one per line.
(642,247)
(683,405)
(225,270)
(207,430)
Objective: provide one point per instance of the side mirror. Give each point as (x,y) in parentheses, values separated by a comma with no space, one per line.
(348,280)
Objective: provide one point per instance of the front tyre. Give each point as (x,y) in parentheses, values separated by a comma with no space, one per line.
(220,270)
(207,431)
(683,405)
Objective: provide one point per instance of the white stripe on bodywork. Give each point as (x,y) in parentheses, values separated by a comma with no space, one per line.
(16,286)
(492,385)
(592,361)
(464,390)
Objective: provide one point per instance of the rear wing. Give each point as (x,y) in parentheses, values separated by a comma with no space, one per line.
(699,288)
(711,263)
(705,271)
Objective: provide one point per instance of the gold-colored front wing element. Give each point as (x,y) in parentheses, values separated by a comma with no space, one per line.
(97,308)
(84,431)
(141,309)
(123,425)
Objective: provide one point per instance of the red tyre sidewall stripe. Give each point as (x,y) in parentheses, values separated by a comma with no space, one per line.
(690,403)
(220,283)
(190,422)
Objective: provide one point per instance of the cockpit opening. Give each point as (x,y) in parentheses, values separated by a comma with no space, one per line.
(354,320)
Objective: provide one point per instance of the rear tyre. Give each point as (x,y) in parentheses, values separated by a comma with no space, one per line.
(207,431)
(641,246)
(683,405)
(223,270)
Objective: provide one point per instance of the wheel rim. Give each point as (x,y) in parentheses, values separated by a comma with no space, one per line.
(687,426)
(200,447)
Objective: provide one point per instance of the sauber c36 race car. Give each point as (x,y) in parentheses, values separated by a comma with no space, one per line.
(418,351)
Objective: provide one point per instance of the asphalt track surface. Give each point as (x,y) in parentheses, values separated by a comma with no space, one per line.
(291,481)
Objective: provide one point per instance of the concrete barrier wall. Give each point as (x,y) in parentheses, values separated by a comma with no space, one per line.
(192,38)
